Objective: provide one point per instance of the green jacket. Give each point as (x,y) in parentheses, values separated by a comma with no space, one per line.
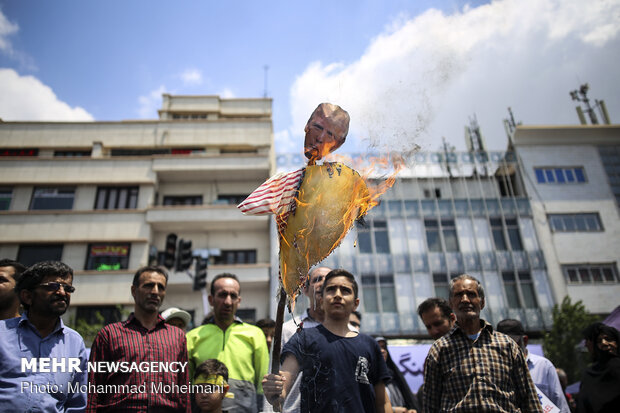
(242,347)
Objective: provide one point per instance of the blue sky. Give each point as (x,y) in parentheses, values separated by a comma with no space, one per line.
(409,72)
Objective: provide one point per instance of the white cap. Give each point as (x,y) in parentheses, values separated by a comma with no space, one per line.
(174,312)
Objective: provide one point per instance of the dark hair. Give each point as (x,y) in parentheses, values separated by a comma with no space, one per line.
(265,323)
(462,277)
(224,275)
(357,314)
(340,273)
(212,366)
(590,333)
(18,267)
(33,276)
(610,332)
(398,379)
(430,303)
(148,268)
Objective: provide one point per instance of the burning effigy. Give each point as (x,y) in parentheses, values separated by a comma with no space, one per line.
(315,206)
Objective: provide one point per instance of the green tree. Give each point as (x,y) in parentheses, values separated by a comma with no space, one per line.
(561,343)
(87,330)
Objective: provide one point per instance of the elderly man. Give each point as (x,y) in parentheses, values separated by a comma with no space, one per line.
(437,316)
(313,315)
(40,338)
(241,346)
(474,368)
(542,370)
(156,353)
(10,272)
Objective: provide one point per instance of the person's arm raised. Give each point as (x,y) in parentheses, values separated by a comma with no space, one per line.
(275,386)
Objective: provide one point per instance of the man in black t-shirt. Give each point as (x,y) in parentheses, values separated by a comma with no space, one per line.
(343,371)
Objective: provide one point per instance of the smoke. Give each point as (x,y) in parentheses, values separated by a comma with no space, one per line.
(423,78)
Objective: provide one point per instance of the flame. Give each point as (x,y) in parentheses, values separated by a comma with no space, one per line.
(331,197)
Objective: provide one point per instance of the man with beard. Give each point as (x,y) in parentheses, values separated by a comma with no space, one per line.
(10,271)
(474,368)
(38,335)
(143,337)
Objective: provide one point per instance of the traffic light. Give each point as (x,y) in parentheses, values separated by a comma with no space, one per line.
(170,252)
(200,277)
(185,255)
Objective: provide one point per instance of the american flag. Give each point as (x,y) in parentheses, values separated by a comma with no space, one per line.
(274,196)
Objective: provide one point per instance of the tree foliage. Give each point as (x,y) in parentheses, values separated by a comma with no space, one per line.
(561,343)
(87,330)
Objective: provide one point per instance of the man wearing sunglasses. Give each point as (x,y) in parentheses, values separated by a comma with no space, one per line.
(41,359)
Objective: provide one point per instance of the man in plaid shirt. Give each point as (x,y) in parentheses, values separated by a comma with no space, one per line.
(474,368)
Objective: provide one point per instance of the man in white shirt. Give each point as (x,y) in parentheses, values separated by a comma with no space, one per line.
(541,369)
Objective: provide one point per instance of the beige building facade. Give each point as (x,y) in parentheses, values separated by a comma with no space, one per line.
(103,196)
(572,177)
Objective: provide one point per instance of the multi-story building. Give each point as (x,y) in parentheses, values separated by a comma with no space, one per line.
(447,214)
(572,176)
(103,196)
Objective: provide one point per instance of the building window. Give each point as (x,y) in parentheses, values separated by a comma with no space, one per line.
(519,289)
(116,197)
(72,154)
(610,157)
(33,253)
(105,314)
(236,257)
(575,222)
(6,194)
(374,234)
(52,198)
(388,295)
(174,200)
(590,273)
(19,152)
(440,281)
(506,234)
(440,233)
(230,199)
(432,193)
(560,175)
(369,294)
(108,256)
(246,314)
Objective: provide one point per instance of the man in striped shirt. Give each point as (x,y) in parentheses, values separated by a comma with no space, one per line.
(155,354)
(474,368)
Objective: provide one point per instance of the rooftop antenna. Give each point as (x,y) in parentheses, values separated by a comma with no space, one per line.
(510,125)
(266,68)
(581,95)
(448,150)
(475,143)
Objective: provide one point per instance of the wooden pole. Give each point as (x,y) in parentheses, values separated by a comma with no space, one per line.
(277,341)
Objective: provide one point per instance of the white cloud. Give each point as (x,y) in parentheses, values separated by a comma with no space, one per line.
(285,143)
(151,103)
(26,98)
(6,29)
(226,93)
(424,78)
(192,77)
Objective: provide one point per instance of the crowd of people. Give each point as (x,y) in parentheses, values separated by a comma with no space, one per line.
(149,363)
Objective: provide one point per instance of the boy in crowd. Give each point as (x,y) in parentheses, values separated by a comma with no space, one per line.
(343,371)
(213,376)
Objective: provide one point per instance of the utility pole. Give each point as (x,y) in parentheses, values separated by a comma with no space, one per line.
(266,68)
